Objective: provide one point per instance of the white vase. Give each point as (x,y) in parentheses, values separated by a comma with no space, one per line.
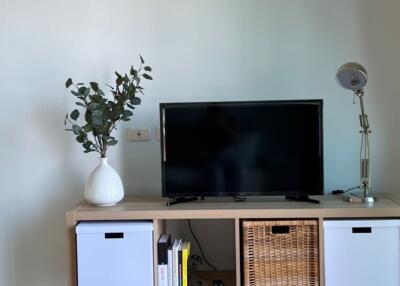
(104,186)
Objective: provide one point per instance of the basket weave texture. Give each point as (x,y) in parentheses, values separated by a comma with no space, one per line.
(280,253)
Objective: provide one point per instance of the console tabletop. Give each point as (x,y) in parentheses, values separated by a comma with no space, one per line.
(148,208)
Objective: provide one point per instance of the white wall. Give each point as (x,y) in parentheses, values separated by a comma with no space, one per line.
(199,50)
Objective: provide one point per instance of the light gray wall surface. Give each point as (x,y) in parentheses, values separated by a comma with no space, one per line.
(200,51)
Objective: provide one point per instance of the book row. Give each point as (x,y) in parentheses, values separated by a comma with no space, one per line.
(173,261)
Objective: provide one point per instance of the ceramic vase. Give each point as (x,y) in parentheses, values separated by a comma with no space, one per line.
(104,186)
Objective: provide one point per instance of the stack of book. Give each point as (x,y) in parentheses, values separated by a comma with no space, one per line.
(173,261)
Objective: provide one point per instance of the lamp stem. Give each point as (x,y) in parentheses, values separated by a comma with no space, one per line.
(363,117)
(365,156)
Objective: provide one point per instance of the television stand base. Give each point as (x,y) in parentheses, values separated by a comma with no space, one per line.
(302,199)
(239,199)
(175,201)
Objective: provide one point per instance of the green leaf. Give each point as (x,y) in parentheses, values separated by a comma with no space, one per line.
(76,129)
(119,81)
(87,128)
(75,93)
(112,142)
(80,104)
(80,138)
(131,90)
(99,91)
(97,117)
(117,74)
(82,90)
(74,114)
(126,78)
(133,72)
(86,92)
(125,119)
(135,100)
(141,59)
(97,120)
(68,83)
(65,119)
(130,106)
(127,113)
(87,144)
(94,86)
(93,106)
(146,76)
(147,68)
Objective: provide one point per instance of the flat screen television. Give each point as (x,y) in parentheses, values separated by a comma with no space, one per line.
(242,148)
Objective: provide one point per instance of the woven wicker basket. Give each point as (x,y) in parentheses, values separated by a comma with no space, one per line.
(280,253)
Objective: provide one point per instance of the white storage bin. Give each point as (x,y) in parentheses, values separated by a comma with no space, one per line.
(362,252)
(115,253)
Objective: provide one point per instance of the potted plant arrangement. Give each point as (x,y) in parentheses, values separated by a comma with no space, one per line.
(101,116)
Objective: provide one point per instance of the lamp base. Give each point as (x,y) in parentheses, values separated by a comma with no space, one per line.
(365,198)
(355,199)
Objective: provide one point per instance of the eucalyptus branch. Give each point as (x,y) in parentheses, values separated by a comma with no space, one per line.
(114,127)
(101,144)
(69,120)
(96,144)
(102,114)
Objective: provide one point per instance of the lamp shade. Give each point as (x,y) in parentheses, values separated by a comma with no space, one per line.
(352,76)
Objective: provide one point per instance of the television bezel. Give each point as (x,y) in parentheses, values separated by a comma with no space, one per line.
(319,191)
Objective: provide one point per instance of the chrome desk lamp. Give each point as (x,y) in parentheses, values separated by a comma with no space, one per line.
(353,76)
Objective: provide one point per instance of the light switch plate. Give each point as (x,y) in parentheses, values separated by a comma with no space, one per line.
(138,134)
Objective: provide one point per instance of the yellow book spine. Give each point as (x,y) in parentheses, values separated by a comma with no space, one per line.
(185,258)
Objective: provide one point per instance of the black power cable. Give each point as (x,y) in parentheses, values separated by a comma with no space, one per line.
(356,187)
(198,244)
(337,192)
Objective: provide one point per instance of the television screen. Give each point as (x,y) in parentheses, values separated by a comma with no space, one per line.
(242,148)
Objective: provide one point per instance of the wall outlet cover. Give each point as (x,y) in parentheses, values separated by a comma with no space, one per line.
(138,134)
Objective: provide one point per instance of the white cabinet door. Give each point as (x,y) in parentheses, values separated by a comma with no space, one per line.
(362,252)
(115,253)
